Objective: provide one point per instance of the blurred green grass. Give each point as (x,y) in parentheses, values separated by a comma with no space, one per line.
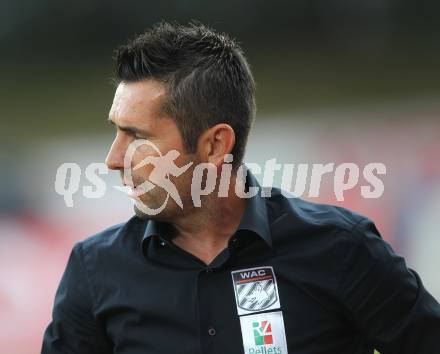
(73,97)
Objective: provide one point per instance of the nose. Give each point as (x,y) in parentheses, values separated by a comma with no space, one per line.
(115,156)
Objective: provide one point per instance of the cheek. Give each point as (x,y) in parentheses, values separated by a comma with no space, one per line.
(147,149)
(141,173)
(184,180)
(140,154)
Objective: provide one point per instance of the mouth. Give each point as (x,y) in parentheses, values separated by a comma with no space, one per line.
(135,191)
(131,191)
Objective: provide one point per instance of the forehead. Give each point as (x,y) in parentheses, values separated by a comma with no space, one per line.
(137,101)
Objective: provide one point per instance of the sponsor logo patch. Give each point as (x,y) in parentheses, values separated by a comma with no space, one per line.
(264,333)
(255,290)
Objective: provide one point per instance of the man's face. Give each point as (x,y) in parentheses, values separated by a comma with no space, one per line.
(137,114)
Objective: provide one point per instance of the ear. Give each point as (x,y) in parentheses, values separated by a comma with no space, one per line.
(215,143)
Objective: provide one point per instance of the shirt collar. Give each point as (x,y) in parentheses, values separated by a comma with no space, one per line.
(254,219)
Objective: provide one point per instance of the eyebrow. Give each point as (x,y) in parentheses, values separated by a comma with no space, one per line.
(128,128)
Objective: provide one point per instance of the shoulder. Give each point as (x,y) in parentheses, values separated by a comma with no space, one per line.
(320,231)
(302,214)
(115,239)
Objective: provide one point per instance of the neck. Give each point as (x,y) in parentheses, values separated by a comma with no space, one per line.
(206,231)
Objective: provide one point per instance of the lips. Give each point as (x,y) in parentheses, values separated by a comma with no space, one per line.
(135,192)
(135,188)
(131,191)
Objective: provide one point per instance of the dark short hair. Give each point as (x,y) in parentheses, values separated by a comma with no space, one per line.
(207,79)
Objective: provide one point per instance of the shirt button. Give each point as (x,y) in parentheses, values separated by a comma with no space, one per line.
(208,270)
(211,331)
(162,243)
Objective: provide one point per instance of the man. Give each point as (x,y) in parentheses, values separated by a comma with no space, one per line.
(259,275)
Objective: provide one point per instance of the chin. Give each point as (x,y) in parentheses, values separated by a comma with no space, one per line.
(161,216)
(140,214)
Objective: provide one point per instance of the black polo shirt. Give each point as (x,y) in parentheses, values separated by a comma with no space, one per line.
(296,277)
